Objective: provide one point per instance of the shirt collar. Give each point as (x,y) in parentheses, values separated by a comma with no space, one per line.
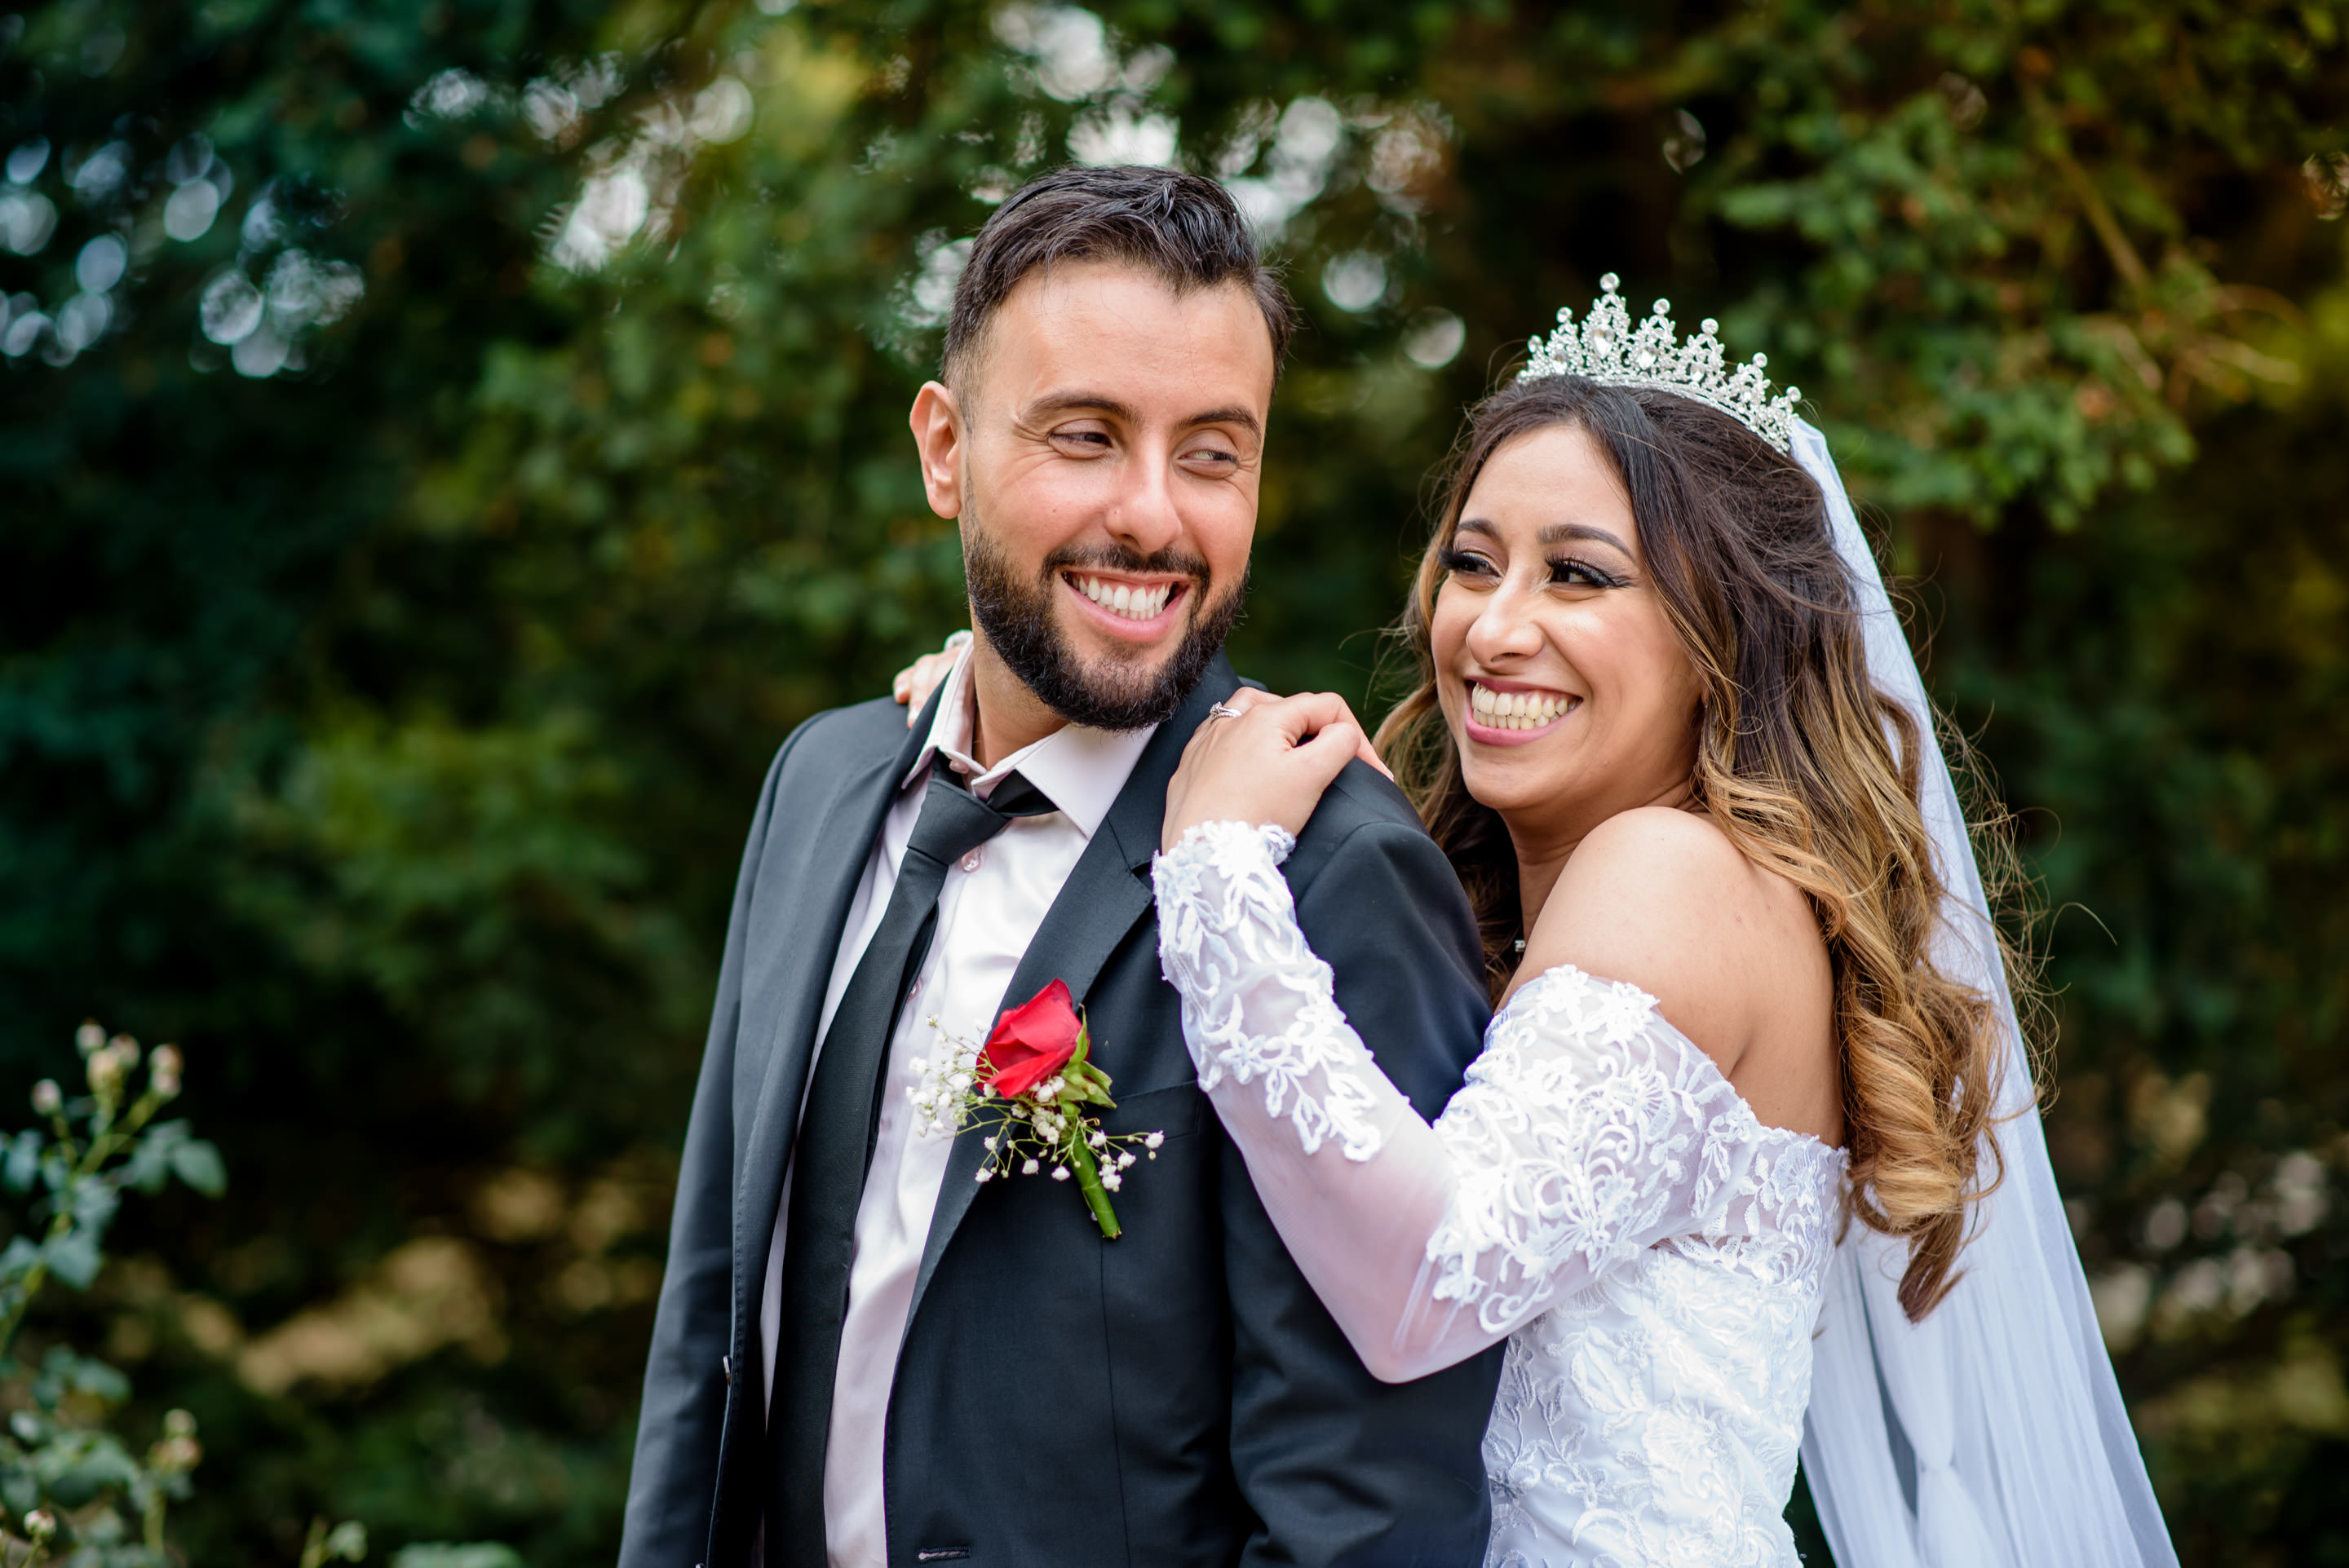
(1080,769)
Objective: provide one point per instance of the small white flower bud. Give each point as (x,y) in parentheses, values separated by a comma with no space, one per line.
(47,1098)
(989,1145)
(1060,1172)
(163,1070)
(1125,1162)
(1099,1140)
(126,1047)
(106,1073)
(1153,1140)
(920,1064)
(39,1525)
(89,1037)
(1112,1180)
(1029,1167)
(985,1174)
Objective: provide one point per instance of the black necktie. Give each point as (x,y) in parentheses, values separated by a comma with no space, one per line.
(835,1147)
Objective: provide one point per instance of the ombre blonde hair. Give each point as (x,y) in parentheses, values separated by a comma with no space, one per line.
(1810,769)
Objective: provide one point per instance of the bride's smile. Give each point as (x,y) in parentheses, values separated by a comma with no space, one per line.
(1507,712)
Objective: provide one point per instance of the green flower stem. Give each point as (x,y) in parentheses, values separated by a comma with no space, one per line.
(102,1147)
(1088,1182)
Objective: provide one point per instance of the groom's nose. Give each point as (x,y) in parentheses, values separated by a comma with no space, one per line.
(1142,513)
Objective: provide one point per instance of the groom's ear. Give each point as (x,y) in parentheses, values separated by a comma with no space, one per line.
(937,421)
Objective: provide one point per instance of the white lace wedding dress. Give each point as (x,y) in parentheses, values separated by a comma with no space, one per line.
(1597,1193)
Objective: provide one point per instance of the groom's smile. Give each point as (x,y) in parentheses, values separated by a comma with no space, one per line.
(1129,606)
(1101,448)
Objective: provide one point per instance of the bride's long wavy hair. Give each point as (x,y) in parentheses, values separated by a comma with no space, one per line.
(1810,769)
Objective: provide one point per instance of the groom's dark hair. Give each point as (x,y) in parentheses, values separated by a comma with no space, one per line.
(1185,228)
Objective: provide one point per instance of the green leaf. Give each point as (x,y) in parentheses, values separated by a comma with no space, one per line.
(21,1253)
(446,1554)
(74,1258)
(149,1164)
(198,1163)
(21,1161)
(87,1375)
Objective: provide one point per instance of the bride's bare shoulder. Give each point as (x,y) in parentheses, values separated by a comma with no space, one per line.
(1662,899)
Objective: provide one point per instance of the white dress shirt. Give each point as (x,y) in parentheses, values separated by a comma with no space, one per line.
(988,910)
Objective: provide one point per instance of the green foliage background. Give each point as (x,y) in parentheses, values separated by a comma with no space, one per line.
(383,727)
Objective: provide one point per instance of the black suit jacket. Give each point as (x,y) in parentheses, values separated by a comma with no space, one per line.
(1175,1397)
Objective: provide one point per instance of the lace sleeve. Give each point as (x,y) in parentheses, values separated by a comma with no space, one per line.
(1588,1130)
(1257,1003)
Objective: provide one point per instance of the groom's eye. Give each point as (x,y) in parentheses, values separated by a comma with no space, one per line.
(1084,439)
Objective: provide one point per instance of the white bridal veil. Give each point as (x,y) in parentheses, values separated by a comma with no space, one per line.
(1992,1435)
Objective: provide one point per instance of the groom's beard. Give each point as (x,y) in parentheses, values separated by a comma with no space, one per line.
(1020,619)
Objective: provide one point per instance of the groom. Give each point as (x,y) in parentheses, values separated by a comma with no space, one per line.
(863,1355)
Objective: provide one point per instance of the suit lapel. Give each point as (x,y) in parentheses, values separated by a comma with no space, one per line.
(1103,898)
(836,841)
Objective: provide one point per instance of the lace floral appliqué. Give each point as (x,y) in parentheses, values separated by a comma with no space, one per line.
(1256,1002)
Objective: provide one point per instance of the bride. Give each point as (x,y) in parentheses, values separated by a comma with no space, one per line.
(1747,1167)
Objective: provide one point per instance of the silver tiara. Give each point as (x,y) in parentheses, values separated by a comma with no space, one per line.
(1608,349)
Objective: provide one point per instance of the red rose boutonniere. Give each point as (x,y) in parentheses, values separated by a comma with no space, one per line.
(1032,1082)
(1033,1041)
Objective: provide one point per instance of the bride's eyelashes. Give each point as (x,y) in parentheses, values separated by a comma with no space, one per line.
(1462,562)
(1573,571)
(1565,571)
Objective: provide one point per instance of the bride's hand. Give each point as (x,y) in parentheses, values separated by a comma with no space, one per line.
(915,683)
(1268,765)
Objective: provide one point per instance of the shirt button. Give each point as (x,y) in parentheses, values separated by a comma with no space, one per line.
(970,862)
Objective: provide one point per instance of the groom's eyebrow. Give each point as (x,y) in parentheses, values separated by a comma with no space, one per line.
(1243,417)
(1068,402)
(1101,403)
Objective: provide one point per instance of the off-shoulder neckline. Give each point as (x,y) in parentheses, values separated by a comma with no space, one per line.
(1707,1066)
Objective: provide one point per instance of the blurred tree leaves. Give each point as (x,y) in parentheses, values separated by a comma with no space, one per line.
(493,443)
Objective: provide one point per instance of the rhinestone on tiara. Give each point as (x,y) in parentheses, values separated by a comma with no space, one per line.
(1608,349)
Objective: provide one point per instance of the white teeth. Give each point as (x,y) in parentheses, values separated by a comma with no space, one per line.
(1517,709)
(1120,599)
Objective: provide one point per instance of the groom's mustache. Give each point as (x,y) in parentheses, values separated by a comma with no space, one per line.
(1125,558)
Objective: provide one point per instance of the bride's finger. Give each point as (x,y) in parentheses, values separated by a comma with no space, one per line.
(1324,756)
(1308,713)
(1326,707)
(915,683)
(1246,700)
